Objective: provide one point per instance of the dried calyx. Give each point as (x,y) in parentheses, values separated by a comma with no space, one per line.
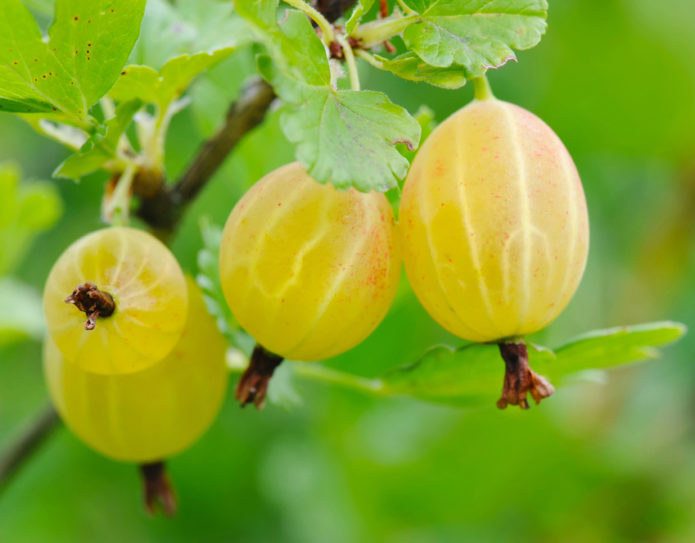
(92,301)
(519,379)
(157,488)
(253,385)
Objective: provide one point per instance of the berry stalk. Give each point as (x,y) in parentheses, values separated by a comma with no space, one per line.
(519,379)
(253,385)
(157,489)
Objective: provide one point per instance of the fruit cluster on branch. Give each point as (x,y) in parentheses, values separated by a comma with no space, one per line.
(491,226)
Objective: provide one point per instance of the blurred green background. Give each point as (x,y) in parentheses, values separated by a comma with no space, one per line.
(607,460)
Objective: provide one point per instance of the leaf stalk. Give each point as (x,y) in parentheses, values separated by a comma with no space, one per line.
(406,8)
(350,62)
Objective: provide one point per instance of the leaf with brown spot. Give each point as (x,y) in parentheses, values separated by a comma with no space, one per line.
(58,74)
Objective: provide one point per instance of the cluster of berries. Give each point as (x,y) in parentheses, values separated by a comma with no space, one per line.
(493,231)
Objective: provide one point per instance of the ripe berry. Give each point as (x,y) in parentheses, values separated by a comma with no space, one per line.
(134,294)
(309,271)
(494,224)
(152,414)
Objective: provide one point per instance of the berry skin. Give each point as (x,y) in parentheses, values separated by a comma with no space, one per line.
(155,413)
(493,223)
(309,271)
(147,287)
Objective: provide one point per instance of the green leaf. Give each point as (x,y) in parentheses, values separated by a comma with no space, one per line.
(468,376)
(362,7)
(262,14)
(26,209)
(93,39)
(474,34)
(25,320)
(87,46)
(472,375)
(612,347)
(163,87)
(136,82)
(179,41)
(345,137)
(410,66)
(177,74)
(200,35)
(293,45)
(101,147)
(57,128)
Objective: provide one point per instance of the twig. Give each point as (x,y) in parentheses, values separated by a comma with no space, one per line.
(163,210)
(242,117)
(27,444)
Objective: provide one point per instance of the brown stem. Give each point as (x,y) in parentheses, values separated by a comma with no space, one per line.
(519,379)
(95,303)
(147,183)
(157,489)
(253,385)
(162,211)
(27,444)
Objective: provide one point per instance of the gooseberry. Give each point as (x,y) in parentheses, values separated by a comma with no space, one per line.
(150,415)
(308,270)
(134,294)
(493,224)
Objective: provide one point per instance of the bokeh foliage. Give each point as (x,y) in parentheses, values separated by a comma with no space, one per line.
(610,458)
